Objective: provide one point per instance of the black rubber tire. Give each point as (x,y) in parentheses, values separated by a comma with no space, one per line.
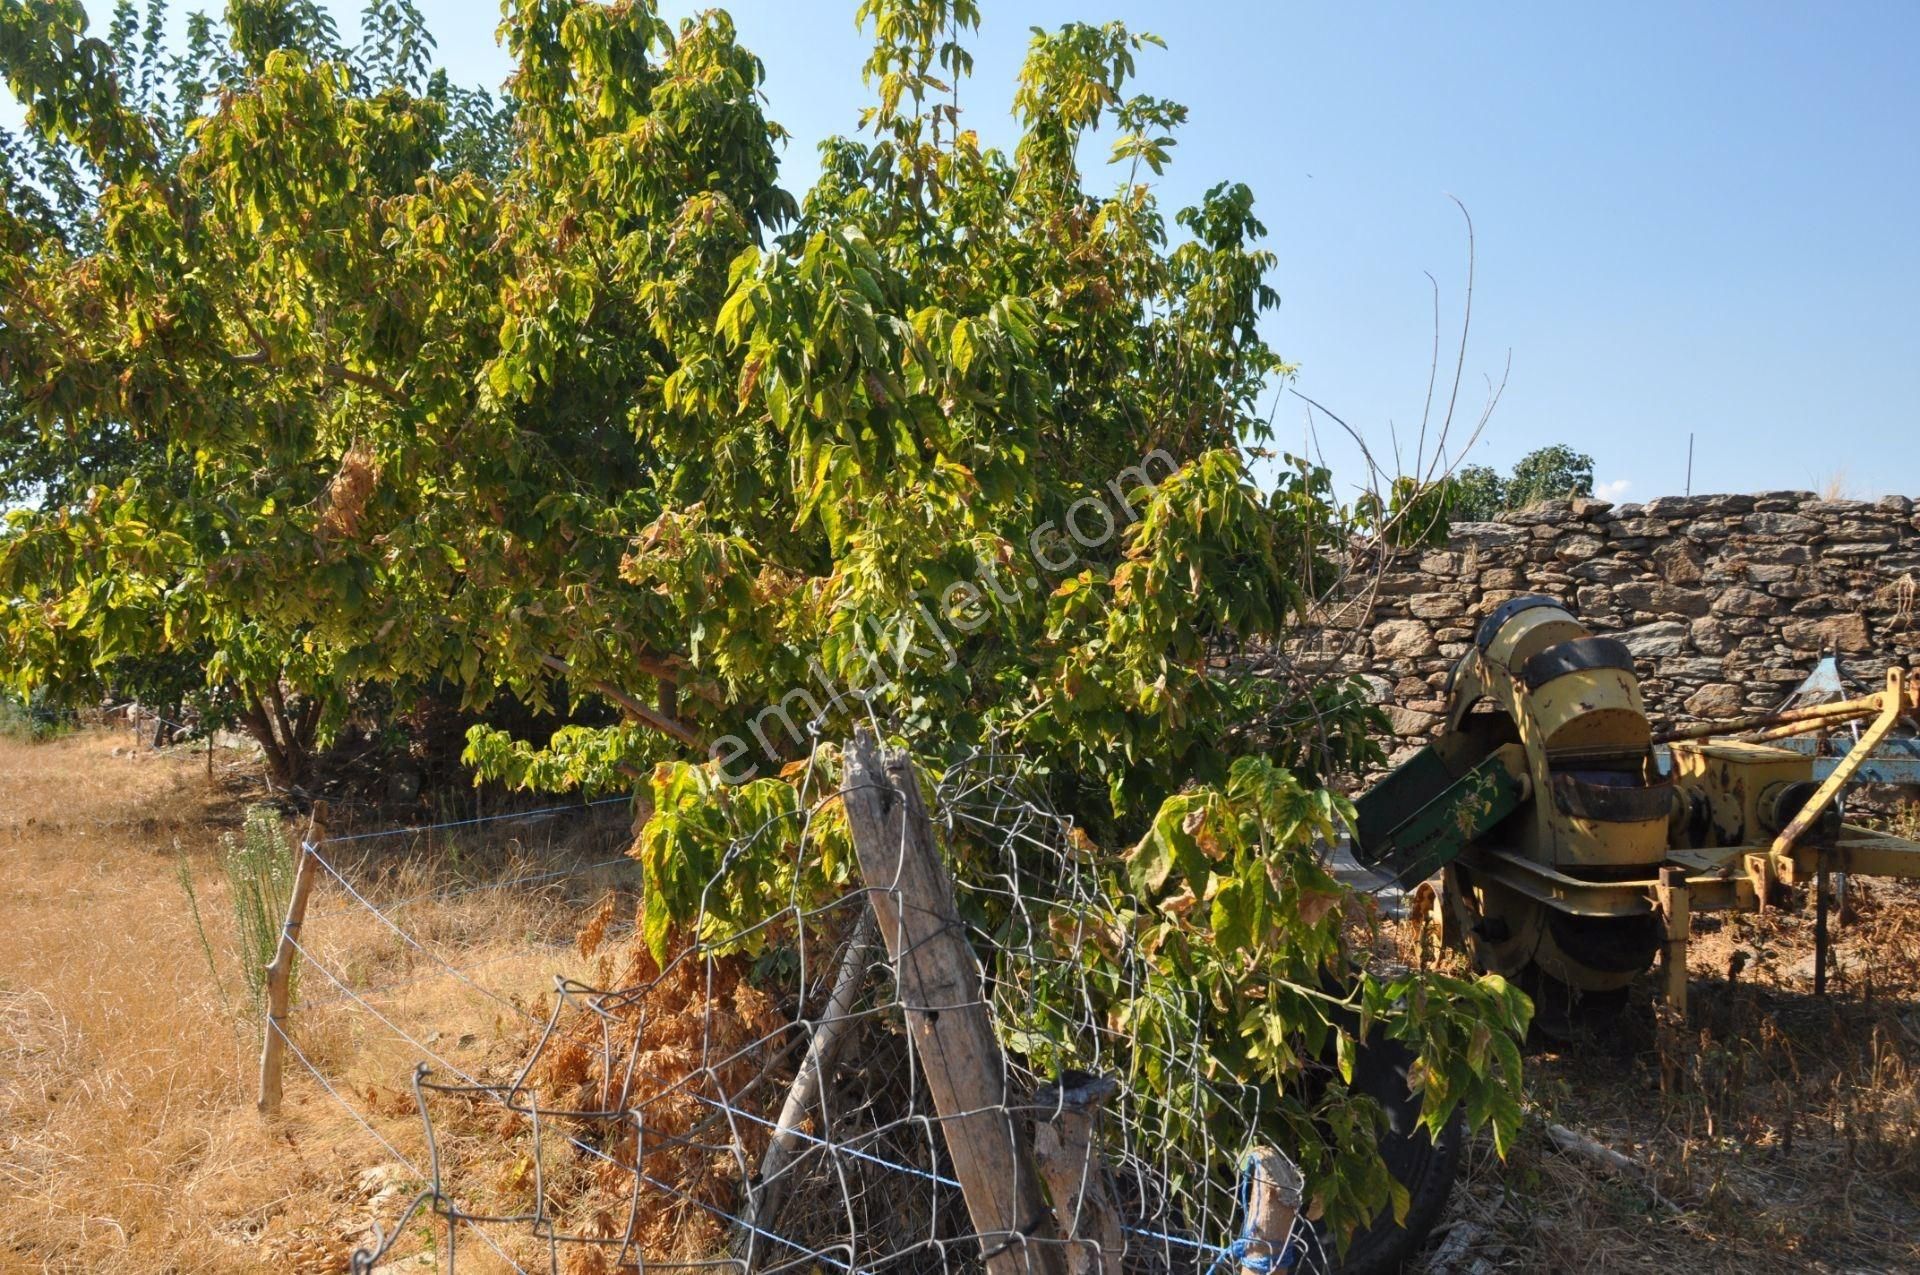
(1563,1016)
(1426,1166)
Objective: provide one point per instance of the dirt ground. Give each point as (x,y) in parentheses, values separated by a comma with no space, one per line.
(1772,1129)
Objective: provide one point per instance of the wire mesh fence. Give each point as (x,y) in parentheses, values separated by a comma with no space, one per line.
(761,1100)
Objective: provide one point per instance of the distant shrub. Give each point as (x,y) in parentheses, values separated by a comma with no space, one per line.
(32,720)
(1476,493)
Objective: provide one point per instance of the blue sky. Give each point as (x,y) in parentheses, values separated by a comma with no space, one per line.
(1690,218)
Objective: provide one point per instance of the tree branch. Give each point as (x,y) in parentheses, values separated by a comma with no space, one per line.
(33,303)
(308,721)
(640,712)
(365,382)
(337,371)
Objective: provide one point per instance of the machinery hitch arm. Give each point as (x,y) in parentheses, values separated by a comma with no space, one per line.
(1888,708)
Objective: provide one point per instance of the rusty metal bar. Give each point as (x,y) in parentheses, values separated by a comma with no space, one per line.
(1723,887)
(1811,726)
(1865,852)
(1676,918)
(1865,706)
(1822,941)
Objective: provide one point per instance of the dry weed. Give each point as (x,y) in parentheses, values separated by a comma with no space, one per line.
(1770,1126)
(347,494)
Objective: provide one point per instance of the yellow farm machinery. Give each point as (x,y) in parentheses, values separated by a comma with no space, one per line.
(1574,847)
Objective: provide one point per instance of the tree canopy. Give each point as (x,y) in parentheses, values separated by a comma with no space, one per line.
(324,377)
(1476,493)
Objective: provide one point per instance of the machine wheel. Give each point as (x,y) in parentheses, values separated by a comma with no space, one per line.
(1561,1013)
(1426,1166)
(1509,934)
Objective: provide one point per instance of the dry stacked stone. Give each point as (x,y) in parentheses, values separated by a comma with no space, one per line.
(1725,601)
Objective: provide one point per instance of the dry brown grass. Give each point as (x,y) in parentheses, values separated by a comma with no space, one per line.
(124,1151)
(1773,1127)
(126,1086)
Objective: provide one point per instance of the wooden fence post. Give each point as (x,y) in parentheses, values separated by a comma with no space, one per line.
(947,1020)
(273,1053)
(1066,1141)
(1274,1192)
(765,1196)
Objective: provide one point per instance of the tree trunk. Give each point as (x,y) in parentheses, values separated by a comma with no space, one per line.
(287,746)
(258,726)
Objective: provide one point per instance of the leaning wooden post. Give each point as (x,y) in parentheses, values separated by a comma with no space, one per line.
(947,1019)
(273,1053)
(1066,1141)
(1274,1186)
(768,1192)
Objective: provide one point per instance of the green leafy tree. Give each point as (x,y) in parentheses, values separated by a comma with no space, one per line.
(1476,493)
(568,400)
(188,329)
(1549,473)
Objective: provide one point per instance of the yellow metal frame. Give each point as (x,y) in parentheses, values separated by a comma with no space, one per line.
(1690,881)
(1738,878)
(1629,867)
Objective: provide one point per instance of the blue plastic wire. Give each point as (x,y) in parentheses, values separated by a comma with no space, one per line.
(1239,1253)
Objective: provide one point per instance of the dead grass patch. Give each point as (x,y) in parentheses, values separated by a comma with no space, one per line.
(127,1071)
(1771,1126)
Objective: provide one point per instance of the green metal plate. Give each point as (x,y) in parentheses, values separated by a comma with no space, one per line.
(1440,828)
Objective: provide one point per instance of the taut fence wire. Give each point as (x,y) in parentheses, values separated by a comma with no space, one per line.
(643,1126)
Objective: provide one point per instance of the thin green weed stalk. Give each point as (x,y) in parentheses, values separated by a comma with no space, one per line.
(260,867)
(184,870)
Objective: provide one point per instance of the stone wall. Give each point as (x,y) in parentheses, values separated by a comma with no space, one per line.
(1726,601)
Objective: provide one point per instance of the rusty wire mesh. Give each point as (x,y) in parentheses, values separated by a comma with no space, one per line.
(630,1135)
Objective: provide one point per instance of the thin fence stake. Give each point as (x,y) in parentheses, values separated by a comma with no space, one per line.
(947,1019)
(767,1193)
(280,972)
(1066,1141)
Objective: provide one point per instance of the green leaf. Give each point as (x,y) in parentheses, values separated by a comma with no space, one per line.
(961,343)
